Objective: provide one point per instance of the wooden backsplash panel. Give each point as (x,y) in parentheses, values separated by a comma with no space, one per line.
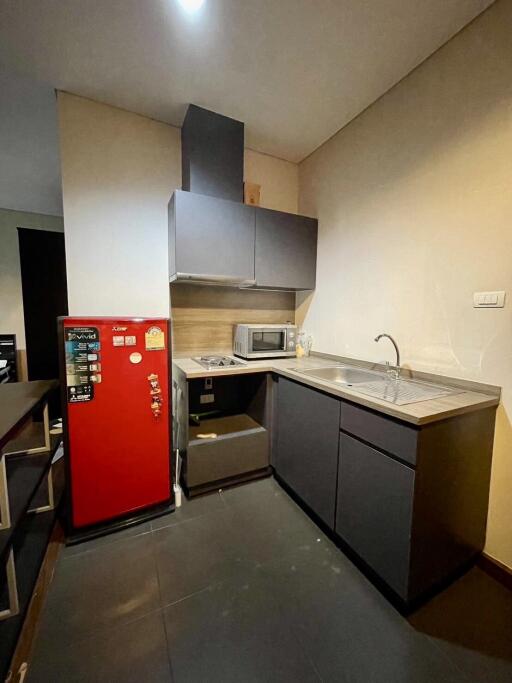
(204,317)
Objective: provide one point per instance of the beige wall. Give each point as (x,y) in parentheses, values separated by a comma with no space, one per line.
(118,171)
(11,298)
(279,180)
(415,206)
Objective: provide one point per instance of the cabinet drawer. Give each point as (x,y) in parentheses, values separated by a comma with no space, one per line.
(394,437)
(227,456)
(374,512)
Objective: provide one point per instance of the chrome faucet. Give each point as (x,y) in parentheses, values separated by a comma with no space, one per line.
(396,371)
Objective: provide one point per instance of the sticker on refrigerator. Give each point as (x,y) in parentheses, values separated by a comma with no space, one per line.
(155,339)
(80,394)
(78,342)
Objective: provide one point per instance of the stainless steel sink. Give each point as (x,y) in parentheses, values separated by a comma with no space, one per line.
(380,385)
(343,375)
(403,391)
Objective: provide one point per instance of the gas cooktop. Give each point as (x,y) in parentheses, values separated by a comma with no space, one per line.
(213,362)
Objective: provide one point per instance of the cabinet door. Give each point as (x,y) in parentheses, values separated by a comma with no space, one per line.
(285,250)
(307,445)
(213,236)
(375,495)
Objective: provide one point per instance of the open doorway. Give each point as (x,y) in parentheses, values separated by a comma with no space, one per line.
(45,297)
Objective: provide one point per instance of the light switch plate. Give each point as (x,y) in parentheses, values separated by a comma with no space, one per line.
(488,299)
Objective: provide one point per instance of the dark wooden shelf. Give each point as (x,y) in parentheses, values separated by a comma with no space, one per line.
(29,543)
(25,474)
(18,401)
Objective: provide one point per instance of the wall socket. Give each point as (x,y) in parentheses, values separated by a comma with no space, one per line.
(488,299)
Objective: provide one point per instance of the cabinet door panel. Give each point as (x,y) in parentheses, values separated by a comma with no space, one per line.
(213,236)
(375,496)
(307,445)
(285,250)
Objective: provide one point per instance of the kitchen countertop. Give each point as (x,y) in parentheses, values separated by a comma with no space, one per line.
(473,396)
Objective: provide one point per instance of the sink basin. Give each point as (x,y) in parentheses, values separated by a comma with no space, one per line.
(344,375)
(379,385)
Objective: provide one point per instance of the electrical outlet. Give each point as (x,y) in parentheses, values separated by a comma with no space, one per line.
(207,398)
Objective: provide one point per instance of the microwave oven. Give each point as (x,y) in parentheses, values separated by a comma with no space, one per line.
(265,341)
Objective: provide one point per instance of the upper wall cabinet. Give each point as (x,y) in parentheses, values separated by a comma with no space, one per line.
(210,239)
(220,241)
(285,255)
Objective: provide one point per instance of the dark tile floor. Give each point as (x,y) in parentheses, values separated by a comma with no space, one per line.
(242,586)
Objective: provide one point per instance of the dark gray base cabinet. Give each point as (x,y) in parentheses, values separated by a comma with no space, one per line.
(307,445)
(374,513)
(411,502)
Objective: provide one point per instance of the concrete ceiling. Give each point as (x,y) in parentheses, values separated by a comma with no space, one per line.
(295,71)
(29,147)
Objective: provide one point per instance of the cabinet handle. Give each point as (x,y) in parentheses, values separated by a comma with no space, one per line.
(215,279)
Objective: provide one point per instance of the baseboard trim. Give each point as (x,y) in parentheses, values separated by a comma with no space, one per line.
(499,571)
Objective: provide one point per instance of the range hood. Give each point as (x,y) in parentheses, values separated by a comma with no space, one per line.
(212,167)
(217,239)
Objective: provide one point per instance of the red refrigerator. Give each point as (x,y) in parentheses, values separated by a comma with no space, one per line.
(115,378)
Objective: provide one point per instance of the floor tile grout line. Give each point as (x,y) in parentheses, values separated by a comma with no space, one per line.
(109,544)
(168,646)
(190,519)
(163,604)
(431,640)
(294,631)
(305,652)
(260,566)
(154,553)
(104,546)
(151,529)
(191,595)
(100,628)
(162,609)
(103,629)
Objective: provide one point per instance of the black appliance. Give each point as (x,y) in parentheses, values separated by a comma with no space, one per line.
(8,359)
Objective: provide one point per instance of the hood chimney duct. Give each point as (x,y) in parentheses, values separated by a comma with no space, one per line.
(212,154)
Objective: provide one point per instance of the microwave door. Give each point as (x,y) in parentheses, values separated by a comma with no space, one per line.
(264,341)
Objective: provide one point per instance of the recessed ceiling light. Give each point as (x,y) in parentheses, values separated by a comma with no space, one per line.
(191,5)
